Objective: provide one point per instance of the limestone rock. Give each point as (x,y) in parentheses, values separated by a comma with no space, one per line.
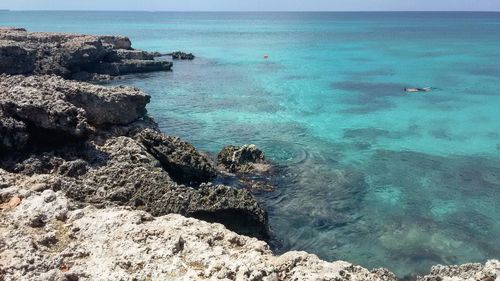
(16,59)
(71,55)
(179,159)
(244,159)
(466,272)
(134,55)
(131,66)
(118,42)
(13,135)
(182,56)
(120,244)
(130,175)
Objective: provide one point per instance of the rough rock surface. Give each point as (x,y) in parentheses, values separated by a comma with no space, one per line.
(45,237)
(72,55)
(242,159)
(466,272)
(96,144)
(49,104)
(15,59)
(180,159)
(182,56)
(88,183)
(13,135)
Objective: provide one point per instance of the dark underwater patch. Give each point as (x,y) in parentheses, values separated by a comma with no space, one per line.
(373,134)
(371,73)
(368,97)
(484,70)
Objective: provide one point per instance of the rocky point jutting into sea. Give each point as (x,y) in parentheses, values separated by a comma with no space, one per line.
(90,188)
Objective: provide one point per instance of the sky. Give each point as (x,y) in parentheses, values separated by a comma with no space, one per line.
(254,5)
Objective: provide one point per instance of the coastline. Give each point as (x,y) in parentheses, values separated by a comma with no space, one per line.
(133,148)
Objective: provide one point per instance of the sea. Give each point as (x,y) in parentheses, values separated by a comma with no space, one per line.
(366,172)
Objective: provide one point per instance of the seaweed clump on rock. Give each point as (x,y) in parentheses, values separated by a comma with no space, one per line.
(97,145)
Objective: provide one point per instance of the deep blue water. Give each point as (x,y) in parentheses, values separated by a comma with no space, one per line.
(368,173)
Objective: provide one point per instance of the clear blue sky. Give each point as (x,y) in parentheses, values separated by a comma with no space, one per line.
(255,5)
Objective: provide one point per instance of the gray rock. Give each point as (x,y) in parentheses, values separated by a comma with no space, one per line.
(15,59)
(244,159)
(180,159)
(49,103)
(13,134)
(121,244)
(132,66)
(133,177)
(118,42)
(182,56)
(490,271)
(134,55)
(71,55)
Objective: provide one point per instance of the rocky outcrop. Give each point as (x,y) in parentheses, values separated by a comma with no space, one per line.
(15,59)
(180,159)
(135,54)
(46,237)
(72,55)
(13,135)
(182,56)
(97,145)
(242,159)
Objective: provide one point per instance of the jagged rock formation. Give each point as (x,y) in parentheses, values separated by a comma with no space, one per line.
(97,145)
(88,184)
(45,237)
(490,271)
(72,55)
(182,56)
(244,159)
(185,165)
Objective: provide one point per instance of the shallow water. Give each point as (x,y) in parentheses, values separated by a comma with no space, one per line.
(369,173)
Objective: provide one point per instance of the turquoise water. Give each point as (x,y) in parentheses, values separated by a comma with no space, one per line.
(367,172)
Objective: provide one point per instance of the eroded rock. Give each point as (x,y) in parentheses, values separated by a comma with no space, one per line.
(50,107)
(13,134)
(490,271)
(182,56)
(121,244)
(15,58)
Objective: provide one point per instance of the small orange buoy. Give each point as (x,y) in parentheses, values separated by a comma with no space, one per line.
(266,56)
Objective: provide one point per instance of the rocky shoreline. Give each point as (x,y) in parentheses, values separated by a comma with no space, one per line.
(73,56)
(91,189)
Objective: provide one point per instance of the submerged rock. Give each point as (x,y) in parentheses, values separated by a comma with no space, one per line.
(71,55)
